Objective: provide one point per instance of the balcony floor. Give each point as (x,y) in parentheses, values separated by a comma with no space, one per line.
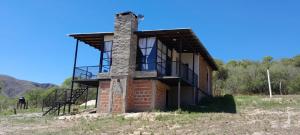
(173,81)
(89,82)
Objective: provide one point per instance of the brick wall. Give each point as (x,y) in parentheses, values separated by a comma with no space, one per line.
(103,96)
(130,96)
(142,96)
(160,96)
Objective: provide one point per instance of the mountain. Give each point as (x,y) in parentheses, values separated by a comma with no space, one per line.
(12,87)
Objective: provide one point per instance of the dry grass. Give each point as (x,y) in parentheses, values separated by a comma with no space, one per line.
(255,115)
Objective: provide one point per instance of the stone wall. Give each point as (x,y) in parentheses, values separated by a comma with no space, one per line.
(123,61)
(124,45)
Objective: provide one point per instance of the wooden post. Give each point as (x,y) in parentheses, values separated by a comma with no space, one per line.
(179,81)
(269,82)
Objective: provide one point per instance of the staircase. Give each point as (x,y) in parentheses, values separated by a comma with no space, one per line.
(60,98)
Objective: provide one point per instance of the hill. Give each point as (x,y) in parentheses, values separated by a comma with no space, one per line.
(12,87)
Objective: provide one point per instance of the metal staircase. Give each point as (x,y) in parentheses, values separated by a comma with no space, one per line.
(60,98)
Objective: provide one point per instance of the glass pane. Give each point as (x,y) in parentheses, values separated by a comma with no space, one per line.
(158,59)
(158,53)
(150,42)
(105,69)
(159,45)
(143,51)
(107,45)
(106,55)
(142,42)
(169,53)
(164,57)
(164,50)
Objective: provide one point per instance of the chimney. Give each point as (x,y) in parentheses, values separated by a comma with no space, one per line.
(123,62)
(124,44)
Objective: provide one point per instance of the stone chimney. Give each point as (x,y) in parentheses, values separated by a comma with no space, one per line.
(123,62)
(124,44)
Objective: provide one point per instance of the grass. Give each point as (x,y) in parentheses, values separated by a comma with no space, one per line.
(19,111)
(264,102)
(220,115)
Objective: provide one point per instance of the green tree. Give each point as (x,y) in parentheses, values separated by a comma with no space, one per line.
(34,97)
(67,83)
(267,61)
(296,60)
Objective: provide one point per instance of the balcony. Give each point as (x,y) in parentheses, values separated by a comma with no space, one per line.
(86,72)
(171,69)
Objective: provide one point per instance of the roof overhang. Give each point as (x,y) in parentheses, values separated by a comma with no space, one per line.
(171,37)
(95,40)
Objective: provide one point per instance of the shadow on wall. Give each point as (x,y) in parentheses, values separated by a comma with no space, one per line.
(221,104)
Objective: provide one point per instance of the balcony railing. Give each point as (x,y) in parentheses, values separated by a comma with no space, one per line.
(86,72)
(171,68)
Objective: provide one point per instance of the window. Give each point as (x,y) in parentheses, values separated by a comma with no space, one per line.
(161,57)
(146,54)
(106,61)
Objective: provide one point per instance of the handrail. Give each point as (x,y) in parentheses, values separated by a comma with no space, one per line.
(86,72)
(171,68)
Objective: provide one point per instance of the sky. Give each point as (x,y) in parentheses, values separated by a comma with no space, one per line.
(34,44)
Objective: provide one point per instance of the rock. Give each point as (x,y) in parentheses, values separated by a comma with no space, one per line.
(137,132)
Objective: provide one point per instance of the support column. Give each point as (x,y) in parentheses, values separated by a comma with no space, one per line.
(97,92)
(101,61)
(73,76)
(179,81)
(179,89)
(194,82)
(180,51)
(100,70)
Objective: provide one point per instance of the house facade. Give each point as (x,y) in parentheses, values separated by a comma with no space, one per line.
(145,70)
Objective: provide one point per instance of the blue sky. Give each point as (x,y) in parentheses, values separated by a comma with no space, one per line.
(34,44)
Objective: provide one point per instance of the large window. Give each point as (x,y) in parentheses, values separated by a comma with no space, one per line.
(161,57)
(106,61)
(146,54)
(164,59)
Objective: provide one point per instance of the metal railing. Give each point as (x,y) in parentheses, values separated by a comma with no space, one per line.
(171,68)
(86,72)
(60,98)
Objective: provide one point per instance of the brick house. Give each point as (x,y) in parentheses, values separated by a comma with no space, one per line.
(145,70)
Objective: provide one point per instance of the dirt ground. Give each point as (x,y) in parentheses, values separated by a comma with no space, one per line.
(255,116)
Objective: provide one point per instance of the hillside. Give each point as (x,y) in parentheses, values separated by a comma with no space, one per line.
(12,87)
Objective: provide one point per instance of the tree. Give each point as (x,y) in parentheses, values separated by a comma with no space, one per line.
(67,83)
(34,97)
(267,61)
(249,77)
(296,60)
(219,76)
